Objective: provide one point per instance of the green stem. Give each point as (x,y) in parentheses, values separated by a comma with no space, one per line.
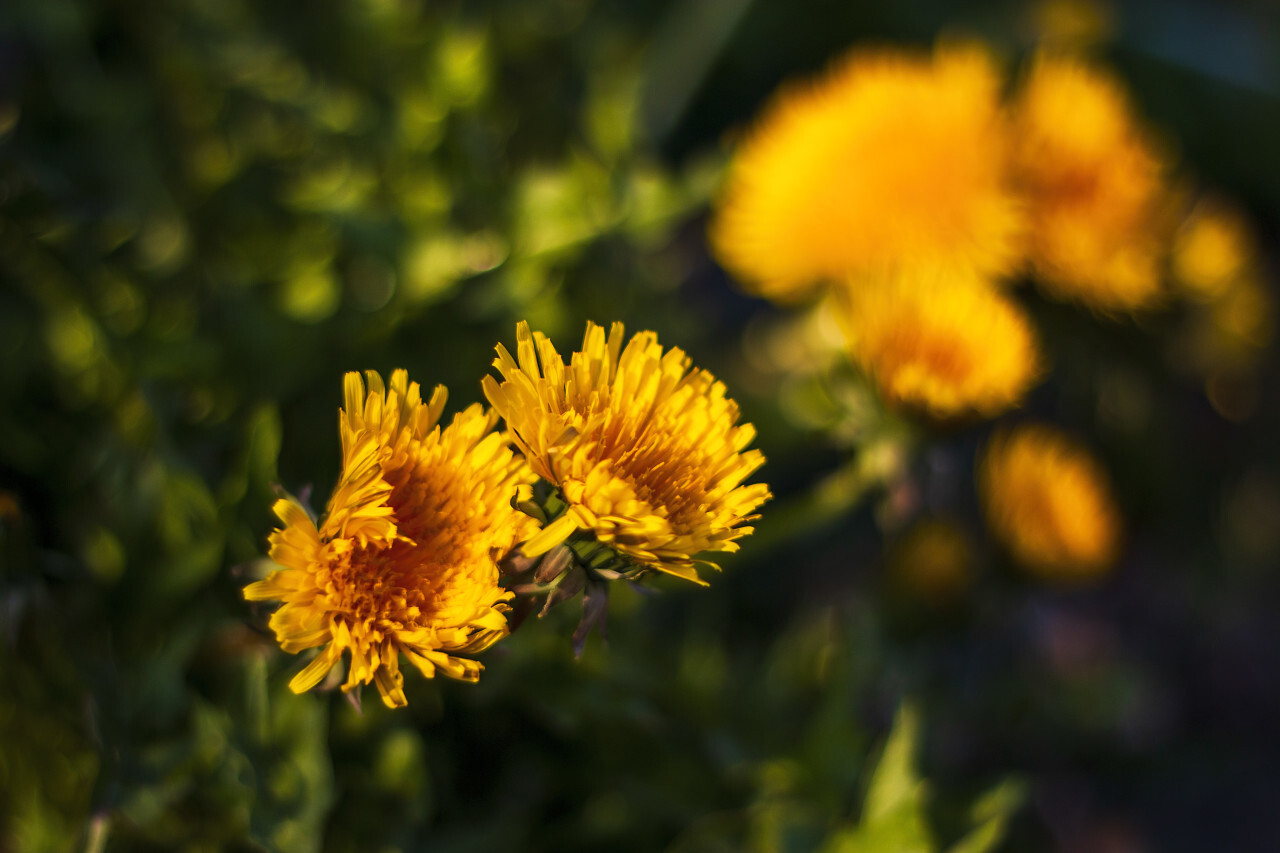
(99,829)
(878,463)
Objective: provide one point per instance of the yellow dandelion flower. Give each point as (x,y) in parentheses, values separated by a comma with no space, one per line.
(941,340)
(1213,249)
(405,561)
(1048,501)
(890,157)
(647,454)
(1094,184)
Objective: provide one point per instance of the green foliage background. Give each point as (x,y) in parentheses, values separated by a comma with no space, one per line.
(211,209)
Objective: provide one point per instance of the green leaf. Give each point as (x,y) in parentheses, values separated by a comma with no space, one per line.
(990,816)
(893,818)
(895,781)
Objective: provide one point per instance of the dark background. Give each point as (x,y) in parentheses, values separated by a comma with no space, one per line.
(211,209)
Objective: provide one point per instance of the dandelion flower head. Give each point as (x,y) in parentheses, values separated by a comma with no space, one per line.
(405,560)
(890,157)
(1049,503)
(1094,184)
(940,340)
(647,453)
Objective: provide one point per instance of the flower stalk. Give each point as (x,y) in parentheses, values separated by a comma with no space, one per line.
(579,564)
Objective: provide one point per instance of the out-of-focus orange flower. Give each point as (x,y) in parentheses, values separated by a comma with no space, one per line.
(891,157)
(1095,186)
(1213,249)
(1049,502)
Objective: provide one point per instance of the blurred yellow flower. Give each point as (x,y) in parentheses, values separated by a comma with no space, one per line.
(1094,184)
(1049,502)
(405,559)
(1212,250)
(890,157)
(941,340)
(934,561)
(647,454)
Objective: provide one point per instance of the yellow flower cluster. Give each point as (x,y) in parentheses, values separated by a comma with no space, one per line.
(405,561)
(898,177)
(1049,503)
(887,180)
(647,454)
(894,158)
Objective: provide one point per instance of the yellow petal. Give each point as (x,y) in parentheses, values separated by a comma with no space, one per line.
(550,536)
(316,670)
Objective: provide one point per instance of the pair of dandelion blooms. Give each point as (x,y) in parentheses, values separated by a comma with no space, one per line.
(647,455)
